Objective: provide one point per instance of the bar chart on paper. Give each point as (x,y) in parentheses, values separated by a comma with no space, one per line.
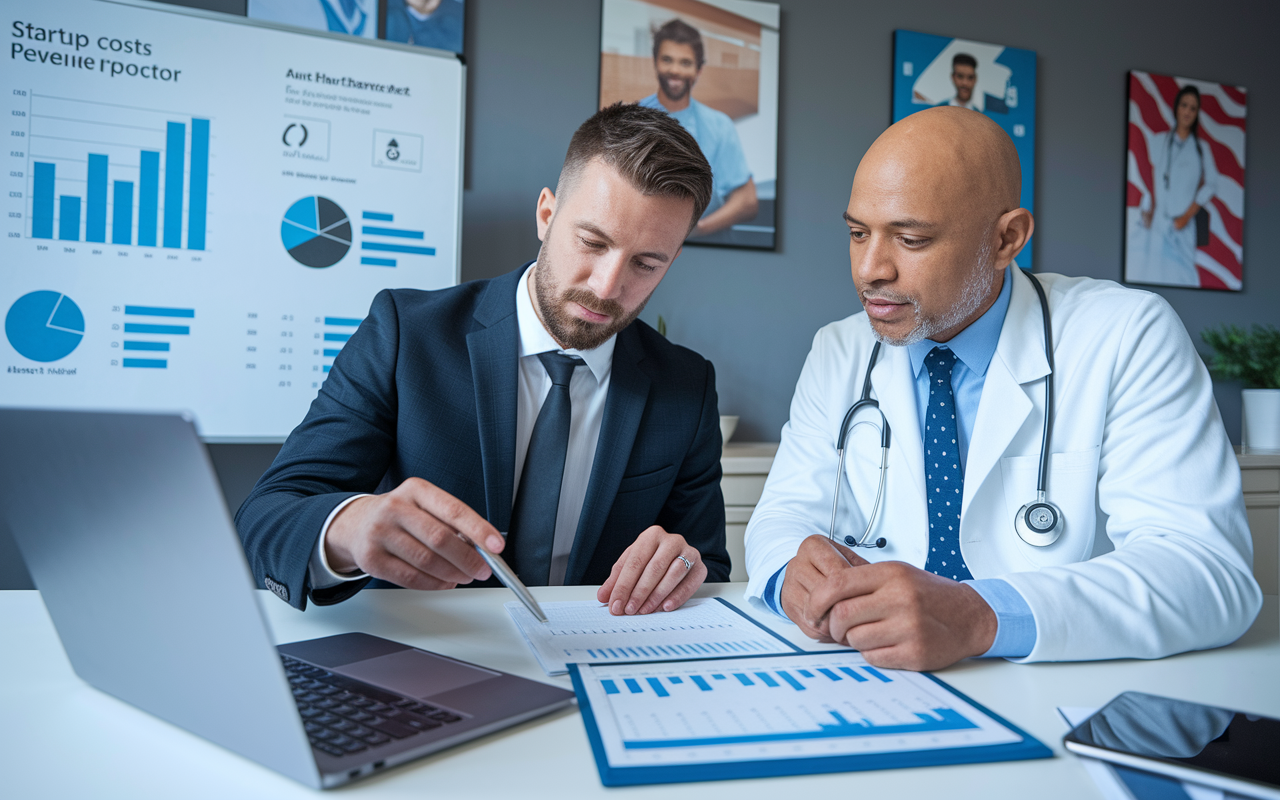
(794,706)
(585,632)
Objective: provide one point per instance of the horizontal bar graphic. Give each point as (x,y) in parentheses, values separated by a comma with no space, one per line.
(146,363)
(632,685)
(350,322)
(830,674)
(377,262)
(327,367)
(853,675)
(378,215)
(718,677)
(658,688)
(398,248)
(875,673)
(701,682)
(795,684)
(768,679)
(947,720)
(139,327)
(337,337)
(331,353)
(804,673)
(374,230)
(743,679)
(157,346)
(158,311)
(609,687)
(676,679)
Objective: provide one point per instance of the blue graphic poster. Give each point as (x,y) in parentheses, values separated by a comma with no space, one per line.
(993,79)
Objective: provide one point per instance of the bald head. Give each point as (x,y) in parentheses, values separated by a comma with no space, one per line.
(934,219)
(950,153)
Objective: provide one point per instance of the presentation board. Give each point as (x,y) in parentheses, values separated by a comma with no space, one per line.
(199,209)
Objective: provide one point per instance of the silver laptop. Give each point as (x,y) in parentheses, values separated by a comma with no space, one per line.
(124,529)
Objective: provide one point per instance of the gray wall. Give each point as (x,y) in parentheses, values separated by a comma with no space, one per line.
(533,78)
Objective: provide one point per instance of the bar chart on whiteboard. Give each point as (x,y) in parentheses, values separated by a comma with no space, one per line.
(204,227)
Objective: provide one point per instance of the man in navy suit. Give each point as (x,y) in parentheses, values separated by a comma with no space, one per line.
(442,415)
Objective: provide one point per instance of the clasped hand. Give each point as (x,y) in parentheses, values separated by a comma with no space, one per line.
(413,536)
(897,615)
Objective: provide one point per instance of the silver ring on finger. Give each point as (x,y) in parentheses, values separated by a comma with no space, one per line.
(688,565)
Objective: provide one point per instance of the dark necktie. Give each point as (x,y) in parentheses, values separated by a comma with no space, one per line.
(944,475)
(533,519)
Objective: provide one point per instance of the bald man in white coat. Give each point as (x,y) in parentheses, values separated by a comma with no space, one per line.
(1155,553)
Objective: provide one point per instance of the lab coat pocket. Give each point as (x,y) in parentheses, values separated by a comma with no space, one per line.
(1072,487)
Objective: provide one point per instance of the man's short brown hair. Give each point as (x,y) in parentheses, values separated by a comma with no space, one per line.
(648,147)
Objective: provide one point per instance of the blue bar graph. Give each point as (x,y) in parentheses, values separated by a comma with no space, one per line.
(148,197)
(377,262)
(337,337)
(140,327)
(95,215)
(331,353)
(676,679)
(379,216)
(853,675)
(717,677)
(350,322)
(399,232)
(122,213)
(944,719)
(198,202)
(162,347)
(830,674)
(875,673)
(42,201)
(804,673)
(610,687)
(397,248)
(69,218)
(658,688)
(701,682)
(767,679)
(175,150)
(743,679)
(145,363)
(795,684)
(160,311)
(633,686)
(327,367)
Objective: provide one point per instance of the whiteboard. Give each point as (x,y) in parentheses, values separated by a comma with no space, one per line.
(199,209)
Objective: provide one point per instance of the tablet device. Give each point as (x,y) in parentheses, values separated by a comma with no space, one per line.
(1229,750)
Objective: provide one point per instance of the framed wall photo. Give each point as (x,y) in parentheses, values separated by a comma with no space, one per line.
(713,65)
(992,79)
(1184,195)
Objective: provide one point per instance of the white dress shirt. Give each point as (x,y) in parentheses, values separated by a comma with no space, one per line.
(588,390)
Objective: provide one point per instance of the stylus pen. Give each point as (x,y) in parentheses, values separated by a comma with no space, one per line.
(509,580)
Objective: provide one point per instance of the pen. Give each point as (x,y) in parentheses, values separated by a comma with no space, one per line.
(509,579)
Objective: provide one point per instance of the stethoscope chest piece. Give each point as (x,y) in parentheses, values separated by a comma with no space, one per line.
(1039,524)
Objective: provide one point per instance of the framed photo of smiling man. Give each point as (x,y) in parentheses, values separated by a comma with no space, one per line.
(713,65)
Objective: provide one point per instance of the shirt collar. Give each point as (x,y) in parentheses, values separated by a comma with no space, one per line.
(976,344)
(535,339)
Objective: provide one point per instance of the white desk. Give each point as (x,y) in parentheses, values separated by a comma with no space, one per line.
(59,738)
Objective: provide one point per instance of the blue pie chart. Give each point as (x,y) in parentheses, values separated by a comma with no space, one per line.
(44,326)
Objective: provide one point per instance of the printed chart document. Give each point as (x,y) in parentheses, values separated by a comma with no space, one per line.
(585,632)
(793,714)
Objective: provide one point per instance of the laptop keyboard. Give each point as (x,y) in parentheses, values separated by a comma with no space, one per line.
(344,716)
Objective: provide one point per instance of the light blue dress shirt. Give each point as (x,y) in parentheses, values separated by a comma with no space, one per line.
(718,139)
(974,348)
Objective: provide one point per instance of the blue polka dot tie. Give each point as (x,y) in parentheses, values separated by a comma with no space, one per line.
(944,475)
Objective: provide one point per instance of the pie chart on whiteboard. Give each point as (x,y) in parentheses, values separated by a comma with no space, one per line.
(316,232)
(44,326)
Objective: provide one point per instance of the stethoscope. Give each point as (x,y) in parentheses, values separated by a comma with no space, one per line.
(1038,523)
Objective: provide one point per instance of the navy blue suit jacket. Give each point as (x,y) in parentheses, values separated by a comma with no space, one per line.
(427,388)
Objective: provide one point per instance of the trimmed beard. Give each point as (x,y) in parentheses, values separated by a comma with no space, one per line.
(573,332)
(972,294)
(663,82)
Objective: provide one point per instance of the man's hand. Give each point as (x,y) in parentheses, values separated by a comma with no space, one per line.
(818,560)
(410,536)
(650,574)
(902,617)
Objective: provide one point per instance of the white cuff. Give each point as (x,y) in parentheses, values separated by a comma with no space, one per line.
(319,572)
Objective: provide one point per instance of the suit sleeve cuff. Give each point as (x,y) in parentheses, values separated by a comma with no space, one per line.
(319,573)
(1015,624)
(773,592)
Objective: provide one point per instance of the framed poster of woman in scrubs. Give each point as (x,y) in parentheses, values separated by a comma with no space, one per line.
(992,79)
(1184,200)
(713,66)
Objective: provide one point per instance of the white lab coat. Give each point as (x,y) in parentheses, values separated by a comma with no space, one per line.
(1183,172)
(1156,555)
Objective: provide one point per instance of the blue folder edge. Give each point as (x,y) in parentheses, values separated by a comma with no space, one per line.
(1028,748)
(758,624)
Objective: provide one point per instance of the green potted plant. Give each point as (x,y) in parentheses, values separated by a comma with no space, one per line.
(1253,358)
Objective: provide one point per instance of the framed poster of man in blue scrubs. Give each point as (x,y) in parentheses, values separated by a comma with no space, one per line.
(988,78)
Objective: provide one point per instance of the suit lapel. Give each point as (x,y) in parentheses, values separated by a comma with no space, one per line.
(494,357)
(1019,361)
(623,409)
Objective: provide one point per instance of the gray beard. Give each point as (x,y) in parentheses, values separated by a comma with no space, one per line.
(972,294)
